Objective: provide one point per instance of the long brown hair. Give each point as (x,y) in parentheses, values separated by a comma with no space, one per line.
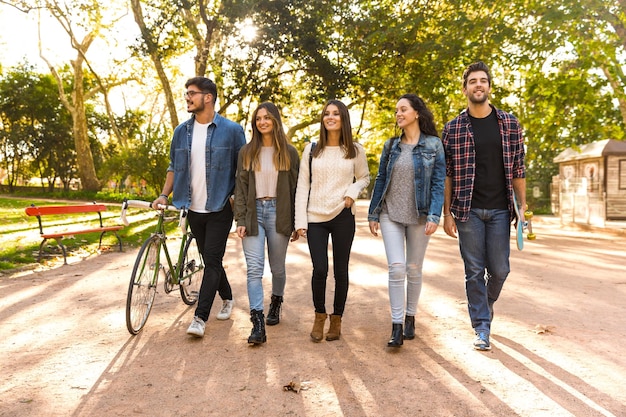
(251,151)
(426,120)
(346,142)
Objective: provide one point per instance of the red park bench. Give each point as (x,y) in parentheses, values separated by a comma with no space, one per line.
(72,209)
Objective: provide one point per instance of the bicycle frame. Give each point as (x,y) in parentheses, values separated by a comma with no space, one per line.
(159,232)
(186,273)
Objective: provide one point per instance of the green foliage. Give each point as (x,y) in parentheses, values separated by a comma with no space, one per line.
(568,80)
(19,233)
(143,161)
(558,66)
(36,128)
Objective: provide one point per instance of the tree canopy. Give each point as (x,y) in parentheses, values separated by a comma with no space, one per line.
(558,66)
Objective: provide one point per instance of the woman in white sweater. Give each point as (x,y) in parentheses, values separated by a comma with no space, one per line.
(330,179)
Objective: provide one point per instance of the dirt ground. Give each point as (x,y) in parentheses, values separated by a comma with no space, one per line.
(558,340)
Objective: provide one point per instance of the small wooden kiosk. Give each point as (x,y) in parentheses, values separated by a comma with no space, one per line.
(591,185)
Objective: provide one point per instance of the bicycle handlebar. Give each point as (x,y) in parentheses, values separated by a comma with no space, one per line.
(146,204)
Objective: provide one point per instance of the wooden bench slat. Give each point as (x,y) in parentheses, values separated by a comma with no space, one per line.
(71,209)
(82,208)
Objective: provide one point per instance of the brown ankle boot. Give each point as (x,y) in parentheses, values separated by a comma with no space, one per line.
(318,327)
(335,327)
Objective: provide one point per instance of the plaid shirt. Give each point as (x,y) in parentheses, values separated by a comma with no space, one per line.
(458,143)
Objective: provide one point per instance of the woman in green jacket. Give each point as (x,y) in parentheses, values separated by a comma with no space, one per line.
(267,174)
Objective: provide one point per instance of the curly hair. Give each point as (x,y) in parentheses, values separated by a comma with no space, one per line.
(426,119)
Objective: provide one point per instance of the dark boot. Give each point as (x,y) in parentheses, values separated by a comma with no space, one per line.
(318,326)
(273,316)
(258,327)
(396,335)
(334,331)
(409,327)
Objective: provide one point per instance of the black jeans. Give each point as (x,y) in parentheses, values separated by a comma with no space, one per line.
(211,232)
(341,229)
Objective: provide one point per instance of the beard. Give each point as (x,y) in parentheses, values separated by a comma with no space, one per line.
(197,108)
(475,100)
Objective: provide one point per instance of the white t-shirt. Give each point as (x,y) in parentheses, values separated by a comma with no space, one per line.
(267,177)
(197,167)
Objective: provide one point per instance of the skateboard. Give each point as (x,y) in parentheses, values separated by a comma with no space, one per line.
(520,226)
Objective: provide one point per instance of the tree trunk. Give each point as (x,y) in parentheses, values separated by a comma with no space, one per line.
(84,161)
(86,168)
(153,51)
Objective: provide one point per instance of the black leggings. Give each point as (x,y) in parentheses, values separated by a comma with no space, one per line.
(211,232)
(341,229)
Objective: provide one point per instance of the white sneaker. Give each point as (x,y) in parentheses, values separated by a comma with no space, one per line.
(196,328)
(227,309)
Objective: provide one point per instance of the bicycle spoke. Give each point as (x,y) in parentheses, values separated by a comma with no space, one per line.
(142,288)
(191,272)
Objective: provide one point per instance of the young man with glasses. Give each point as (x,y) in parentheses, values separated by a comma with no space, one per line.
(201,176)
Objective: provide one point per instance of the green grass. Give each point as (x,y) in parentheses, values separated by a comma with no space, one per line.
(20,240)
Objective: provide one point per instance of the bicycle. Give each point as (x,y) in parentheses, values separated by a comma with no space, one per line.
(186,273)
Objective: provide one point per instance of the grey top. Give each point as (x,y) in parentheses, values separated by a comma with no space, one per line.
(400,198)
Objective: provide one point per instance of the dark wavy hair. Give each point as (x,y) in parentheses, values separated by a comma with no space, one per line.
(426,119)
(205,85)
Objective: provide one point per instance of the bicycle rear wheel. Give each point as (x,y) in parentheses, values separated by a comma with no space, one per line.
(143,285)
(191,272)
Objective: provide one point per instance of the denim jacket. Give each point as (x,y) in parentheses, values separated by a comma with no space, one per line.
(430,173)
(224,140)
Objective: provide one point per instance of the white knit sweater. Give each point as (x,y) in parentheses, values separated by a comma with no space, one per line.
(333,179)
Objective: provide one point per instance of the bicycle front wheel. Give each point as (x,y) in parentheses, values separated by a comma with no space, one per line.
(143,285)
(191,272)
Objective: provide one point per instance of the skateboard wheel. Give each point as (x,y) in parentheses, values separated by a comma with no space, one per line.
(528,214)
(531,236)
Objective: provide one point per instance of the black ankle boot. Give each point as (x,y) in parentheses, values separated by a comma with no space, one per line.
(273,316)
(396,336)
(258,327)
(409,327)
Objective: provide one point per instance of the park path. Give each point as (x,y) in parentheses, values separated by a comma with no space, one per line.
(558,340)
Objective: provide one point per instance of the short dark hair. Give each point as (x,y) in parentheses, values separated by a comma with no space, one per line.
(205,85)
(475,67)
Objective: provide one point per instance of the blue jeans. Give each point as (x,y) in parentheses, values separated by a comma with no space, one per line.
(254,251)
(405,264)
(484,241)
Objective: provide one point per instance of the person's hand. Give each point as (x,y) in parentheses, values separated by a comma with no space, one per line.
(431,227)
(159,200)
(374,227)
(241,231)
(302,232)
(294,236)
(449,226)
(348,201)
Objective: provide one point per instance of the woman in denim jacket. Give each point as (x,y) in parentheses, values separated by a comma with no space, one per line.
(406,203)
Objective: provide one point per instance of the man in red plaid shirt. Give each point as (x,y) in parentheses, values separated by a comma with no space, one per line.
(484,149)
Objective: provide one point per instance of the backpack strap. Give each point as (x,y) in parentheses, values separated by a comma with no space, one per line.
(311,161)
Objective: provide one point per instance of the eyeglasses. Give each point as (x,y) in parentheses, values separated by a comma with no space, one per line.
(190,94)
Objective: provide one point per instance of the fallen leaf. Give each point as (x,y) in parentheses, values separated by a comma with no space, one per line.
(543,328)
(293,385)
